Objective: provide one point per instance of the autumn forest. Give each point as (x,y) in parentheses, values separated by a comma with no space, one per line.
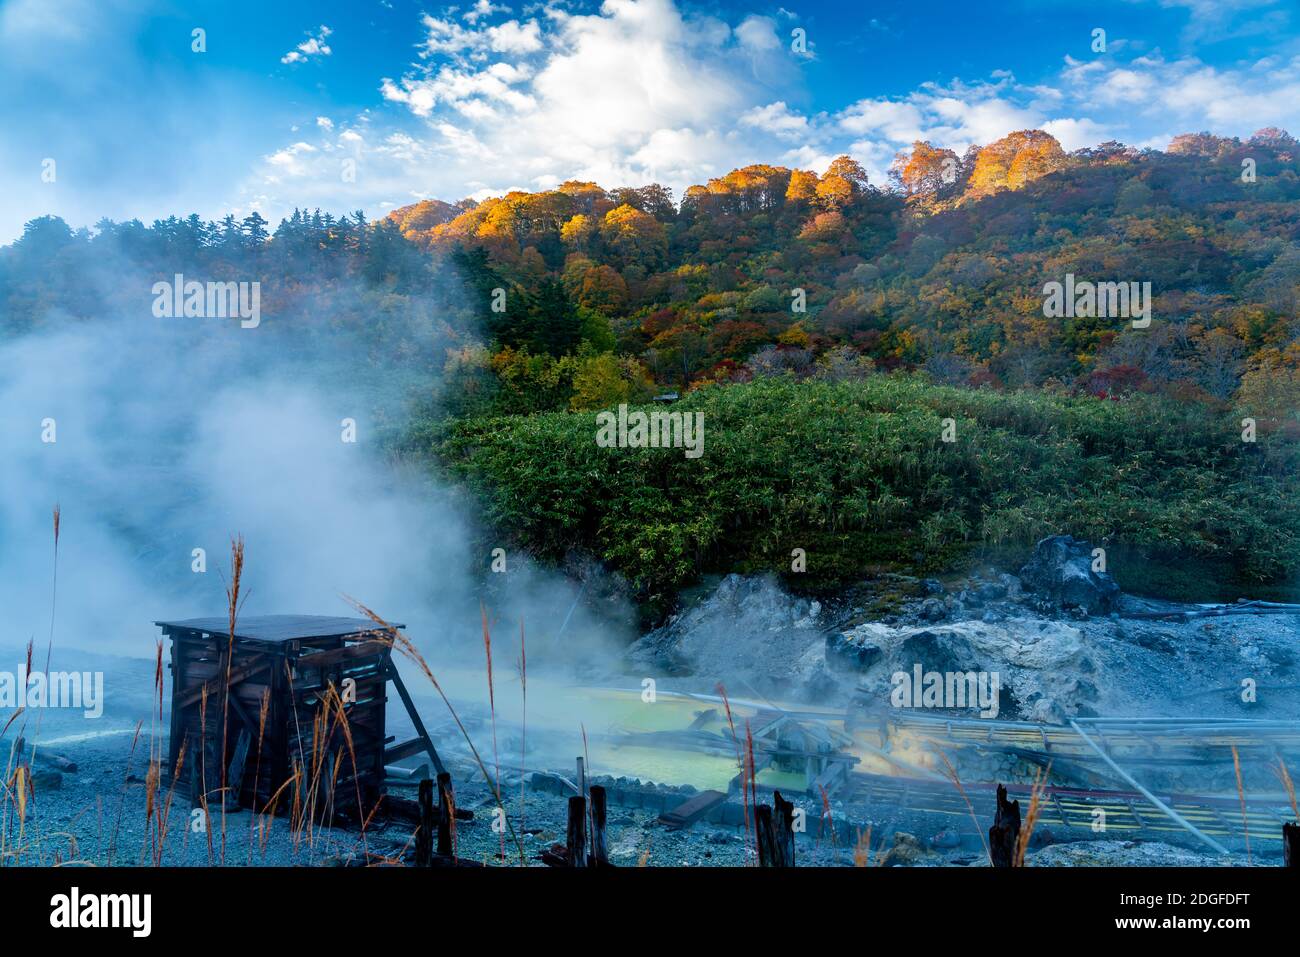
(825,326)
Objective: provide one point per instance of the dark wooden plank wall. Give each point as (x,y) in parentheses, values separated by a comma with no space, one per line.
(296,680)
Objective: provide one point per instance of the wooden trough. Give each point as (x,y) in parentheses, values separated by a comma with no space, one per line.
(285,663)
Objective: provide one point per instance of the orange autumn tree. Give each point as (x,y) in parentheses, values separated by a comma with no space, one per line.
(843,182)
(1016,159)
(925,170)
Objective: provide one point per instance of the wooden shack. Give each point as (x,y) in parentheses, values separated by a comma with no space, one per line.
(283,665)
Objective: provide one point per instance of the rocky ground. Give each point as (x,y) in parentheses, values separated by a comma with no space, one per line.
(1061,650)
(97,816)
(1064,641)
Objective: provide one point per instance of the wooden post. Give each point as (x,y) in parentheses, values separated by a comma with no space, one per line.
(575,846)
(198,797)
(582,777)
(446,815)
(421,734)
(783,831)
(599,850)
(1291,845)
(424,835)
(235,775)
(765,835)
(1005,832)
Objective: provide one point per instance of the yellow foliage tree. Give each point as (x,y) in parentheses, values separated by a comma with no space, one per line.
(1016,159)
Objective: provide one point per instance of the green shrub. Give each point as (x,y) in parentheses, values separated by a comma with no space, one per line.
(857,475)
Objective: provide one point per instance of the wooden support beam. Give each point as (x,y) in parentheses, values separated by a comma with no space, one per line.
(446,815)
(321,659)
(424,833)
(599,849)
(408,811)
(403,750)
(214,684)
(420,732)
(1291,845)
(575,843)
(235,773)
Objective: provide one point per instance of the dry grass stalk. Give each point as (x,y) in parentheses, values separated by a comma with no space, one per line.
(267,821)
(1241,796)
(117,824)
(753,781)
(296,777)
(740,760)
(395,638)
(345,727)
(7,783)
(1285,777)
(153,777)
(167,806)
(523,722)
(826,818)
(956,782)
(232,607)
(862,849)
(1031,815)
(492,706)
(586,793)
(257,765)
(54,593)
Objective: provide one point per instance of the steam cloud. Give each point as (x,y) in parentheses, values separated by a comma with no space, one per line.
(174,434)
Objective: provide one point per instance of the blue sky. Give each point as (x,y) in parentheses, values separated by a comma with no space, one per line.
(377,103)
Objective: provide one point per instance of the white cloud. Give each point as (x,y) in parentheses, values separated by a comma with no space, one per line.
(1191,95)
(312,46)
(481,9)
(288,162)
(638,91)
(1075,134)
(897,121)
(1225,19)
(778,120)
(758,33)
(514,37)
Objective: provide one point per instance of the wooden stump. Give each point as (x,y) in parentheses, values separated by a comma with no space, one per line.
(1005,832)
(575,846)
(1291,845)
(446,815)
(599,849)
(424,835)
(783,831)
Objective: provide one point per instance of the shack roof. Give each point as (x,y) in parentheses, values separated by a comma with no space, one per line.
(277,628)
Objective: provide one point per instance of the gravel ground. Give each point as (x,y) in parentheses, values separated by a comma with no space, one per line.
(97,815)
